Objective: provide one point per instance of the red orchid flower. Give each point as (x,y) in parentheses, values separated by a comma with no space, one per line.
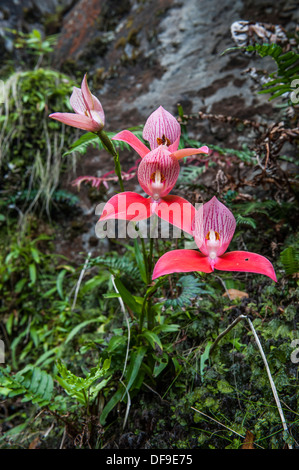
(213,229)
(89,114)
(157,174)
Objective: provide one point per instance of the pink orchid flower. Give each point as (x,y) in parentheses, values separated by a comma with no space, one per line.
(161,128)
(213,229)
(157,174)
(89,114)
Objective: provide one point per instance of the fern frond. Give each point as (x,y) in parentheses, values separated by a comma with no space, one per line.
(287,68)
(33,383)
(190,289)
(290,260)
(240,220)
(120,266)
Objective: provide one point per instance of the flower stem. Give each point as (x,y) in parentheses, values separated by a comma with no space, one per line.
(150,291)
(109,146)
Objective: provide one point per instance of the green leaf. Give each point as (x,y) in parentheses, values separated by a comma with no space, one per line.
(127,297)
(79,327)
(134,366)
(116,398)
(140,261)
(32,274)
(59,283)
(35,254)
(152,338)
(160,365)
(204,357)
(115,342)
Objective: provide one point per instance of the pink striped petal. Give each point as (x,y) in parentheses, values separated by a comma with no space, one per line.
(98,108)
(86,94)
(189,151)
(213,216)
(77,120)
(133,141)
(92,102)
(127,206)
(162,125)
(77,102)
(245,261)
(181,261)
(176,211)
(158,172)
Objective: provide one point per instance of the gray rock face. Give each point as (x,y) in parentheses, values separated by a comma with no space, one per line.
(146,54)
(140,55)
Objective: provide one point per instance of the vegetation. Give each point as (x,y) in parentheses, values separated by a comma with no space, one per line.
(93,347)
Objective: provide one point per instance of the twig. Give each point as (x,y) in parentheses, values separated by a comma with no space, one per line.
(80,280)
(122,306)
(224,285)
(234,323)
(278,404)
(274,391)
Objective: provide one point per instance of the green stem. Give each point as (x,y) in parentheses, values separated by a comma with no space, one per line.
(150,259)
(109,146)
(145,259)
(148,294)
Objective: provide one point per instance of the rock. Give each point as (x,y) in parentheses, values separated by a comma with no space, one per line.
(160,53)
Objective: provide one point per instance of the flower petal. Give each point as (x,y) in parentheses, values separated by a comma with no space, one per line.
(162,125)
(158,172)
(176,211)
(189,151)
(245,261)
(77,102)
(86,94)
(181,261)
(91,102)
(127,206)
(213,215)
(77,120)
(133,141)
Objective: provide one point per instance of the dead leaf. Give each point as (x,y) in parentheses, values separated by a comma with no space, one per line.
(235,294)
(35,443)
(248,442)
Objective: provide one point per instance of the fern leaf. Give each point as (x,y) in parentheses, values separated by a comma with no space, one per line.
(245,221)
(287,68)
(33,383)
(290,260)
(190,289)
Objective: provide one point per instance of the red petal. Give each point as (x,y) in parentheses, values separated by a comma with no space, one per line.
(176,211)
(133,141)
(127,206)
(245,262)
(181,261)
